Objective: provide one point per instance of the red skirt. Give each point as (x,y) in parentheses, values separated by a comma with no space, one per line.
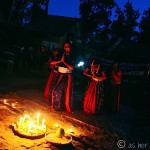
(94,97)
(48,84)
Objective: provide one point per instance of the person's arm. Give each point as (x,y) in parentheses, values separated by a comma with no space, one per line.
(68,65)
(85,72)
(119,73)
(100,78)
(54,62)
(117,76)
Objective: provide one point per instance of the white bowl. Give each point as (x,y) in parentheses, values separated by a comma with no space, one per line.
(53,139)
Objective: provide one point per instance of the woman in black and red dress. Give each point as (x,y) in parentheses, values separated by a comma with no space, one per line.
(94,96)
(53,73)
(62,94)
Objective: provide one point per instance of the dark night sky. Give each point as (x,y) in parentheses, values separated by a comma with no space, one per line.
(70,8)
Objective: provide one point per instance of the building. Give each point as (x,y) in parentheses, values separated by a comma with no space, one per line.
(53,30)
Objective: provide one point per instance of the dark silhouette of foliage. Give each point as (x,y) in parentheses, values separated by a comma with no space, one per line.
(5,7)
(125,25)
(98,28)
(117,26)
(131,16)
(24,11)
(38,8)
(18,10)
(95,19)
(145,28)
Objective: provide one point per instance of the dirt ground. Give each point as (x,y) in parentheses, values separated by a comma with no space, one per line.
(101,132)
(85,136)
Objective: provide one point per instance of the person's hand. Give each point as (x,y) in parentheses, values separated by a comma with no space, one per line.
(63,58)
(86,70)
(49,61)
(93,76)
(96,79)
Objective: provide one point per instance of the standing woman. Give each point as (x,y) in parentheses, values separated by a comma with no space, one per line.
(53,73)
(62,92)
(94,96)
(116,76)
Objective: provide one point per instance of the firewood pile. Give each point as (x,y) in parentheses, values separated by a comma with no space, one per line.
(84,136)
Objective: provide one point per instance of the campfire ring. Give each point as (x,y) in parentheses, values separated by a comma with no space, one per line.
(53,139)
(16,132)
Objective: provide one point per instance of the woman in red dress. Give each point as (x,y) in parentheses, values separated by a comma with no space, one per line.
(94,96)
(53,73)
(116,76)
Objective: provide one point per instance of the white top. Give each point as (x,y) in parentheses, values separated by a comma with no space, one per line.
(64,70)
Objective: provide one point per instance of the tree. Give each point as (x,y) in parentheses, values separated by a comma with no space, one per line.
(131,16)
(145,28)
(125,25)
(117,26)
(95,19)
(38,8)
(5,7)
(17,12)
(24,11)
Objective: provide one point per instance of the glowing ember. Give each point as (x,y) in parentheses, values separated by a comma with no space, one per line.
(5,101)
(13,105)
(30,127)
(56,125)
(70,131)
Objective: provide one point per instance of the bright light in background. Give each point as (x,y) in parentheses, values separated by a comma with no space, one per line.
(81,63)
(68,8)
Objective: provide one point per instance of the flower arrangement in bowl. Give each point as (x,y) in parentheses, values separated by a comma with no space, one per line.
(58,137)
